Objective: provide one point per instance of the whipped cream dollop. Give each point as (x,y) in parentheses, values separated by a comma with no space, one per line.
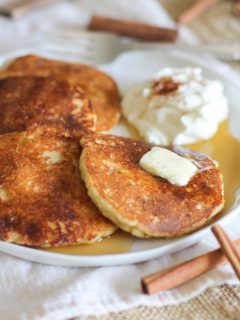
(179,106)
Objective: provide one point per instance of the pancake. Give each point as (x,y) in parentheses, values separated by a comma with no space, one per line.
(43,201)
(101,88)
(143,204)
(44,100)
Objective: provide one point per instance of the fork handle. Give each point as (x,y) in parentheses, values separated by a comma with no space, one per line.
(221,51)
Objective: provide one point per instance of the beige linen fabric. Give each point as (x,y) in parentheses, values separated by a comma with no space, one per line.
(217,24)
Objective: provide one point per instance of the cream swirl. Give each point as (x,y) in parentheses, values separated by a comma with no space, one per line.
(178,107)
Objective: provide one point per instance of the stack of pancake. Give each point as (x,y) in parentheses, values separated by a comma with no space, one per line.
(47,199)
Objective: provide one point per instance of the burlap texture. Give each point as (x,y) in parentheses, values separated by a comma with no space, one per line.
(217,303)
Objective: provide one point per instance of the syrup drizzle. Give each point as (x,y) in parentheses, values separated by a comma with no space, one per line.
(223,147)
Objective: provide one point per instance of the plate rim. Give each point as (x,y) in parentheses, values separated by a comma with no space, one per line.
(60,259)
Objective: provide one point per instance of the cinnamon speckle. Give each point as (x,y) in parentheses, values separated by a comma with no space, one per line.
(164,86)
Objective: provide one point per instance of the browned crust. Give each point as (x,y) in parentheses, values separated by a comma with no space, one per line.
(141,203)
(26,100)
(101,88)
(44,202)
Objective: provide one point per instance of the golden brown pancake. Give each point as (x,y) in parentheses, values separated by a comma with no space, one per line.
(101,88)
(143,204)
(43,201)
(28,99)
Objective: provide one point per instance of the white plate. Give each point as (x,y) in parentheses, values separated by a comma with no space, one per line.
(129,68)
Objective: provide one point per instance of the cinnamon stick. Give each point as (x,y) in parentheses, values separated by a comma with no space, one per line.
(184,272)
(228,247)
(236,8)
(196,10)
(133,29)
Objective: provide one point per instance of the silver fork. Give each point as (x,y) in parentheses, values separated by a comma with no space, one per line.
(101,47)
(85,46)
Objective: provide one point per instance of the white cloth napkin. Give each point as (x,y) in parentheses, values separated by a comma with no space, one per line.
(32,291)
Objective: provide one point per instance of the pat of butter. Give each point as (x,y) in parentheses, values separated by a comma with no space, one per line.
(168,165)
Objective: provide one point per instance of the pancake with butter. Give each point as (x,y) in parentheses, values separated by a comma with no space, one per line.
(43,201)
(26,100)
(101,88)
(144,204)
